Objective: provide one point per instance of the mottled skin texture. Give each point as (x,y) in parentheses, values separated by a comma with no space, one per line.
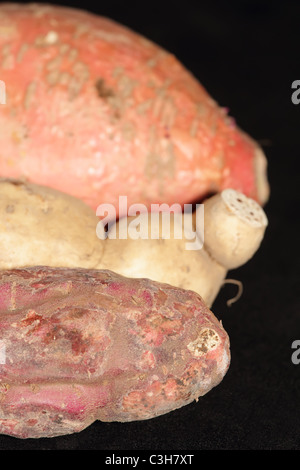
(97,111)
(85,345)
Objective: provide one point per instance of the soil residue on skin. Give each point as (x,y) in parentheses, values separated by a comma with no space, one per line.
(103,90)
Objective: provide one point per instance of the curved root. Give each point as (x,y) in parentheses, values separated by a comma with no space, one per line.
(240,290)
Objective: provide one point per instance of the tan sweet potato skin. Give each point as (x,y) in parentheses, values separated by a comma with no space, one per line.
(42,226)
(85,345)
(98,111)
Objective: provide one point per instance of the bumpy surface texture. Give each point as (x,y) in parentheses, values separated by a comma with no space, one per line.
(81,345)
(98,111)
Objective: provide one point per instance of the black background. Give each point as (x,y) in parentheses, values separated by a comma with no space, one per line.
(246,54)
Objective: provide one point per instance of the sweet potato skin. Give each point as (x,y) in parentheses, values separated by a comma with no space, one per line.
(84,345)
(98,111)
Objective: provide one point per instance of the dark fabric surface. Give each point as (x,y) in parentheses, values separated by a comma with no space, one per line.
(246,54)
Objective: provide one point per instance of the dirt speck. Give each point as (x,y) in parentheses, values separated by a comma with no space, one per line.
(103,90)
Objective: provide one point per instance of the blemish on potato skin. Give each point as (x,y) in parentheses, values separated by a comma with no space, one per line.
(206,341)
(49,39)
(30,318)
(4,388)
(103,90)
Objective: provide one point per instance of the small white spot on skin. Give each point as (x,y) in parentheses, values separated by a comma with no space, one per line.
(55,130)
(109,130)
(51,37)
(95,171)
(92,142)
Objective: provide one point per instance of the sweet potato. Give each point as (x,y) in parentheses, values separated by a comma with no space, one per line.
(42,226)
(232,230)
(84,345)
(96,110)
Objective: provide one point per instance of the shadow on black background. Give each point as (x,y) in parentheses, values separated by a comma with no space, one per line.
(246,55)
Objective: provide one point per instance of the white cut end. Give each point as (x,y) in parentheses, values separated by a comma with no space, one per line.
(234,226)
(245,208)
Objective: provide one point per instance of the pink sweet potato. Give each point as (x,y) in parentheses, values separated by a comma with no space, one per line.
(85,345)
(96,110)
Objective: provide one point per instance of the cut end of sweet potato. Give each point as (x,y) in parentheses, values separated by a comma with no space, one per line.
(234,227)
(245,208)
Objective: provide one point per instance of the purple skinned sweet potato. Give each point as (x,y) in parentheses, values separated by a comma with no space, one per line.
(83,345)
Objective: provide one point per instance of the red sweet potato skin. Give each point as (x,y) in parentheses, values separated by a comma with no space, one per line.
(84,345)
(98,111)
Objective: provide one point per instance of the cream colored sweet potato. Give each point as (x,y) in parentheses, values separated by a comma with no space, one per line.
(232,230)
(42,226)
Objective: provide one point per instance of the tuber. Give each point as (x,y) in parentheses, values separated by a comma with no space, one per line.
(96,110)
(233,228)
(84,345)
